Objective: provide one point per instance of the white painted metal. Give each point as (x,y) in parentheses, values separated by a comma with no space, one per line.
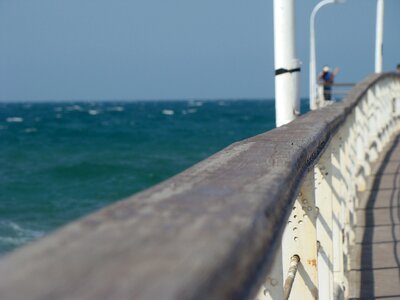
(314,99)
(346,198)
(324,213)
(337,225)
(273,286)
(323,196)
(379,36)
(299,239)
(287,96)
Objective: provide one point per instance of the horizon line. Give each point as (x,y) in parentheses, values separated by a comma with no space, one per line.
(143,100)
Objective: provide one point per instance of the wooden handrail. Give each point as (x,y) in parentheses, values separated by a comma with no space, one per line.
(207,233)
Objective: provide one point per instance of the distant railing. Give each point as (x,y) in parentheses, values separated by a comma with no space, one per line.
(339,91)
(251,222)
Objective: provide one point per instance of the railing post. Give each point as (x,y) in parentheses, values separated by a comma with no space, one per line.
(348,195)
(352,152)
(323,195)
(337,219)
(299,238)
(361,141)
(352,200)
(374,113)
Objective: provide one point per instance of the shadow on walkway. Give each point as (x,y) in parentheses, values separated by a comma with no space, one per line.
(375,276)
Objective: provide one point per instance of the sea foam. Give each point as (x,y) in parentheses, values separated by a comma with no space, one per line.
(14,120)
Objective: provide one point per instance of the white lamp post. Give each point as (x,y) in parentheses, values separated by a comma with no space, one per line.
(287,66)
(313,67)
(379,36)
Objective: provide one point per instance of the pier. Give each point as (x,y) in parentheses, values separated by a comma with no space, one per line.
(308,210)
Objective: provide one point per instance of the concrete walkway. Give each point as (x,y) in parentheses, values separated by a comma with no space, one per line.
(376,258)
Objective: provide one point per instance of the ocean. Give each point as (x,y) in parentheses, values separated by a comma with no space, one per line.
(60,161)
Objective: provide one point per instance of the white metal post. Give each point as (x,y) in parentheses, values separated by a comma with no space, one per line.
(379,36)
(287,66)
(313,67)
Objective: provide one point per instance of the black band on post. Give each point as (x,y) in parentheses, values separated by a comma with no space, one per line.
(283,71)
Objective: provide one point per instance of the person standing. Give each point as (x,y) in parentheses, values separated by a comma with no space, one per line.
(326,78)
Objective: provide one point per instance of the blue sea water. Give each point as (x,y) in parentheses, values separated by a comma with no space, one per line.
(60,161)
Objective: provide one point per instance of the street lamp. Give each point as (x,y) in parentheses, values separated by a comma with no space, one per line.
(313,68)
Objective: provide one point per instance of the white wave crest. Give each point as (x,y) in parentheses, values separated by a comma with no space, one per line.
(14,120)
(168,112)
(116,108)
(13,234)
(30,130)
(93,112)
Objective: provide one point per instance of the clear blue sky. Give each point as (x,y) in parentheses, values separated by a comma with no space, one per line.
(174,49)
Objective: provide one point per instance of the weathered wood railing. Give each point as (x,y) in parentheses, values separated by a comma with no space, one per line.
(228,227)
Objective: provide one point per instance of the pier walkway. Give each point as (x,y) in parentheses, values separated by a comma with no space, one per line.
(376,269)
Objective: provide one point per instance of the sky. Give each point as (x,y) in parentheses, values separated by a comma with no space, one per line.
(175,49)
